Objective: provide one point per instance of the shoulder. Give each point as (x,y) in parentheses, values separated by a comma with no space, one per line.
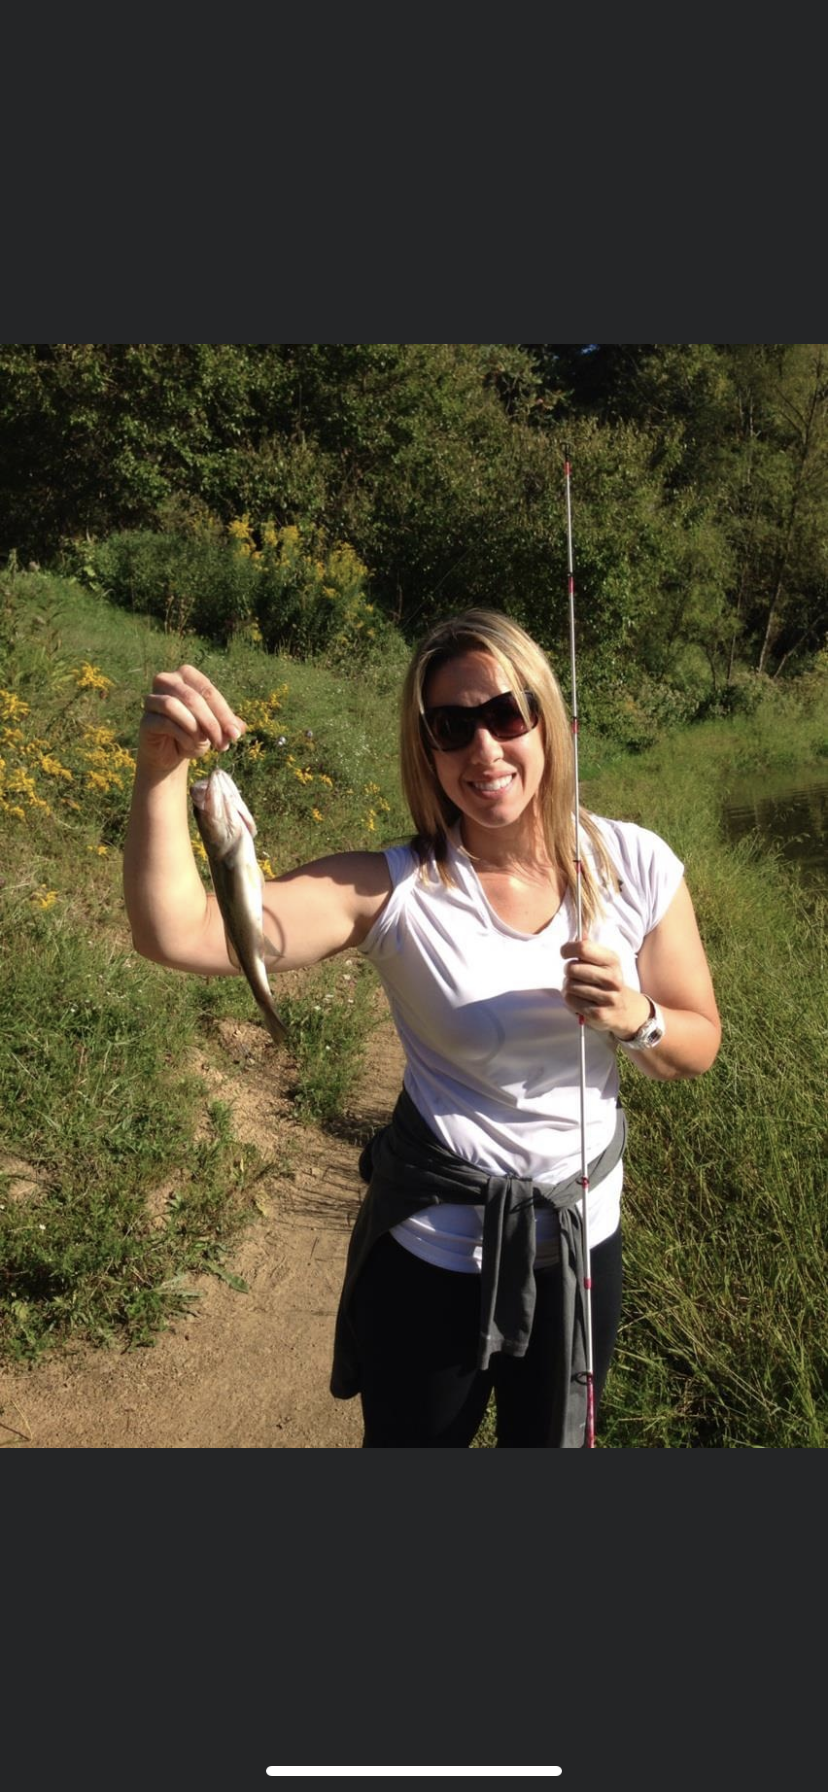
(631,845)
(360,871)
(413,887)
(649,871)
(402,861)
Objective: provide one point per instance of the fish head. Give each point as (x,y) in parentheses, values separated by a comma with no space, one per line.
(221,811)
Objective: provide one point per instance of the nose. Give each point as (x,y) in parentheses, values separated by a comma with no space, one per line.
(484,747)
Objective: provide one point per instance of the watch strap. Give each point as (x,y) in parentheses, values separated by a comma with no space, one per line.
(650,1033)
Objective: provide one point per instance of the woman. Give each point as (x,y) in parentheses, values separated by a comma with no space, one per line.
(465,1266)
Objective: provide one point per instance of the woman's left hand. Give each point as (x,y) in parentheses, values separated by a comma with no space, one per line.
(594,986)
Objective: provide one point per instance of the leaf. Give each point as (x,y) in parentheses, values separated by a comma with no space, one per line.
(226,1275)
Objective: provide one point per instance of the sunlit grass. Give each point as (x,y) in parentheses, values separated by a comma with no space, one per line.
(100,1111)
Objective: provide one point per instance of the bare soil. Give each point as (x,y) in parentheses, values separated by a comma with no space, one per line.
(241,1370)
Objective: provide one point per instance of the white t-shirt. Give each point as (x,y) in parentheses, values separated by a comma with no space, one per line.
(492,1053)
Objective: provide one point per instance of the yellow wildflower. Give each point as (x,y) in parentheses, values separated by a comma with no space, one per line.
(242,535)
(44,898)
(101,749)
(99,781)
(53,768)
(91,678)
(22,784)
(316,815)
(12,707)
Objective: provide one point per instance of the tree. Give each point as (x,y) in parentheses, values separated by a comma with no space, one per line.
(780,516)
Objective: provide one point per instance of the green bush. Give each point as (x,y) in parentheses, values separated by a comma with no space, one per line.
(312,601)
(188,584)
(288,590)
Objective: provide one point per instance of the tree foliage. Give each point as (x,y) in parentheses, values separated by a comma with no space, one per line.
(700,481)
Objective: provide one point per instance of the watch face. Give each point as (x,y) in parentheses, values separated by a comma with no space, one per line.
(653,1029)
(650,1033)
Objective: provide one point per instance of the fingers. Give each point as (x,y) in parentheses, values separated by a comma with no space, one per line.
(588,951)
(186,706)
(593,983)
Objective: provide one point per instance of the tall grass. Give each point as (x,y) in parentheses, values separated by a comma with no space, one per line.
(723,1341)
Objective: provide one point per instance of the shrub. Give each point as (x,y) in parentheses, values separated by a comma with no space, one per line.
(289,591)
(184,582)
(311,600)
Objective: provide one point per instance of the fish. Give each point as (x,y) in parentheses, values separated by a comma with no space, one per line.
(227,829)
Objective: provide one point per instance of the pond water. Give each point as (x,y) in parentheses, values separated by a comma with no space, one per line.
(789,813)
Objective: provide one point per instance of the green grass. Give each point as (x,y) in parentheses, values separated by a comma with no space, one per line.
(100,1113)
(723,1339)
(119,1178)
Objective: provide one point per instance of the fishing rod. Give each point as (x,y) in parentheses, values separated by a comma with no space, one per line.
(589,1441)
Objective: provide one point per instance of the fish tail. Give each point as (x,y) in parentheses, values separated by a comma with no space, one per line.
(276,1027)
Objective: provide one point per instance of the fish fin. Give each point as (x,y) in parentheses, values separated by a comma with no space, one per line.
(246,816)
(270,953)
(232,953)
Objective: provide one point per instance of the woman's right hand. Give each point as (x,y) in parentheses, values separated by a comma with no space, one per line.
(184,717)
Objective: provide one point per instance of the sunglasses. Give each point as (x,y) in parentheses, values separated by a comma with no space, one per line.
(454,725)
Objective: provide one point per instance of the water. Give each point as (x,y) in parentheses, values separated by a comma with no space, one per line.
(790,814)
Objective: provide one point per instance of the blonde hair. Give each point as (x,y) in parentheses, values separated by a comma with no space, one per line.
(525,667)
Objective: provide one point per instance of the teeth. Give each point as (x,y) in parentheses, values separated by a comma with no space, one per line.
(494,783)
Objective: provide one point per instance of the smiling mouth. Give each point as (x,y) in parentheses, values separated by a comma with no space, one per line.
(491,786)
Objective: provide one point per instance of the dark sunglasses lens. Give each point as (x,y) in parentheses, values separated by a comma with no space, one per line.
(448,729)
(455,725)
(505,721)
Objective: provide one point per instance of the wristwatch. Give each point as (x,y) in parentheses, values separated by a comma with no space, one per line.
(650,1033)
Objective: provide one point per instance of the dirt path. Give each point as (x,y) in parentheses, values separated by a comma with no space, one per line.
(241,1371)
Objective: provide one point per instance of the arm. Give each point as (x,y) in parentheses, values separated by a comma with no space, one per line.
(673,969)
(308,914)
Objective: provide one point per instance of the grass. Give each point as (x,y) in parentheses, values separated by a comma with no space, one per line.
(100,1113)
(119,1178)
(723,1339)
(724,1332)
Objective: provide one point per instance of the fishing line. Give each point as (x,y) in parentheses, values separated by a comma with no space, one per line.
(589,1442)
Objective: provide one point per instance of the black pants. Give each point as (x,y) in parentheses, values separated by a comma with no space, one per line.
(417,1328)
